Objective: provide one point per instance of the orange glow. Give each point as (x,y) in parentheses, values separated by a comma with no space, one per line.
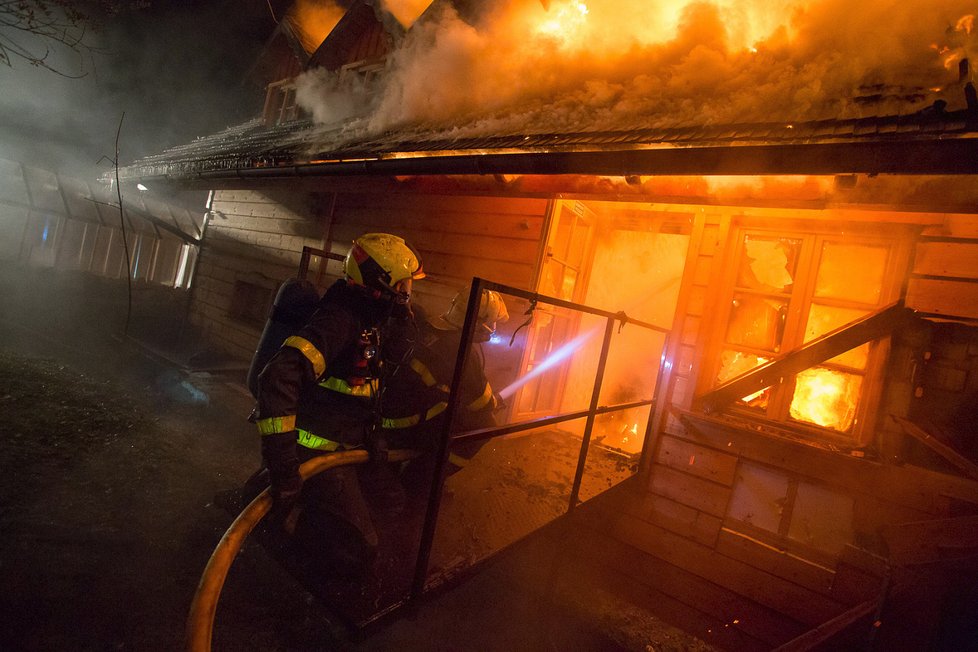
(737,363)
(406,11)
(523,67)
(957,47)
(315,20)
(564,22)
(826,398)
(770,186)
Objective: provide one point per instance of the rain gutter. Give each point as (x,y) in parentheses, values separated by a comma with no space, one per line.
(953,155)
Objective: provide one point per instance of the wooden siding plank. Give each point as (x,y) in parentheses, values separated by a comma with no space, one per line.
(657,578)
(958,225)
(665,592)
(681,519)
(459,270)
(827,630)
(788,598)
(946,259)
(486,247)
(852,585)
(707,463)
(777,562)
(951,298)
(431,204)
(961,462)
(932,541)
(690,490)
(870,513)
(909,486)
(511,225)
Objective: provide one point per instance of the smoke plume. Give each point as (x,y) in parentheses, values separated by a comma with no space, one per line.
(521,68)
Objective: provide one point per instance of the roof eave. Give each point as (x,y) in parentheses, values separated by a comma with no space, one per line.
(938,156)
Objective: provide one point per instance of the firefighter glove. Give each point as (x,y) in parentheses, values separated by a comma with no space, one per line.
(285,502)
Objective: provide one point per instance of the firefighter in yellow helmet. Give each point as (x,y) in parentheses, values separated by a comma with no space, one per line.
(416,399)
(318,393)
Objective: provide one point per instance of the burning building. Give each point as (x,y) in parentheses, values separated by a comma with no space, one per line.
(782,191)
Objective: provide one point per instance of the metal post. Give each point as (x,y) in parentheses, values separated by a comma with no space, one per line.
(441,459)
(609,330)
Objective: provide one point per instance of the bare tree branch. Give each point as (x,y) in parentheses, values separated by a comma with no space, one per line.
(32,31)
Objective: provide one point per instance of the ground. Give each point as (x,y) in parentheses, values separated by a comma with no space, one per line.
(113,455)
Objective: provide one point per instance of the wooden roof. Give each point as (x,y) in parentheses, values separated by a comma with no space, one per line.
(927,142)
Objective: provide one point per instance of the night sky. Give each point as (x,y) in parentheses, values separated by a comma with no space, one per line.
(176,69)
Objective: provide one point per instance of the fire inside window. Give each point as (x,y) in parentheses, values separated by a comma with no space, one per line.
(789,290)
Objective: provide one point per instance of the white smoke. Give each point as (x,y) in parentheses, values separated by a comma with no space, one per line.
(626,64)
(331,99)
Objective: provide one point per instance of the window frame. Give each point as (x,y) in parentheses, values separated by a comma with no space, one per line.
(898,241)
(781,539)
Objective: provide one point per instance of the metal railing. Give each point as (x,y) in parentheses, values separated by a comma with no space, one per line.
(448,438)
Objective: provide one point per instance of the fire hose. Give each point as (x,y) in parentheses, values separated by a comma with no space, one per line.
(200,621)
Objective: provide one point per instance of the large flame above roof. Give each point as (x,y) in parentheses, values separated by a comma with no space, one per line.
(526,66)
(406,11)
(314,19)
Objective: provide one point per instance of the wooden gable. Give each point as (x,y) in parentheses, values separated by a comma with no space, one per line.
(359,36)
(281,57)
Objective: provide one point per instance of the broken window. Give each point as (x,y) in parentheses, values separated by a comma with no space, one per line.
(788,291)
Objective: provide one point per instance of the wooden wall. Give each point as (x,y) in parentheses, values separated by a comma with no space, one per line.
(945,272)
(458,237)
(254,237)
(258,236)
(48,220)
(673,541)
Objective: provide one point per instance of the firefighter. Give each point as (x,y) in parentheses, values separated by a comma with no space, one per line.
(319,392)
(416,397)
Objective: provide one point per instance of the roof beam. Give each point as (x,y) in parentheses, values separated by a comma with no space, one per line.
(873,326)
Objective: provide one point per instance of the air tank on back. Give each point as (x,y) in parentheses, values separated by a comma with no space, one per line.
(293,306)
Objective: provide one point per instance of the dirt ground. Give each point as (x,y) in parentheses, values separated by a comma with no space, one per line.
(112,457)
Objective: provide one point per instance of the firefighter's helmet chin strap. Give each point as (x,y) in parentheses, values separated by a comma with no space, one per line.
(384,292)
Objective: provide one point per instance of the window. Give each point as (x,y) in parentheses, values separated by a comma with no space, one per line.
(280,103)
(795,513)
(251,303)
(365,70)
(789,289)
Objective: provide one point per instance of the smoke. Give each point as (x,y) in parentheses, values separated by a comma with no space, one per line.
(606,65)
(175,69)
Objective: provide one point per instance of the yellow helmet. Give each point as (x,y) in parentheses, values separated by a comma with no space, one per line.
(383,262)
(492,310)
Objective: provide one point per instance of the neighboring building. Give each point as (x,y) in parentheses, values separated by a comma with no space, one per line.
(53,221)
(759,501)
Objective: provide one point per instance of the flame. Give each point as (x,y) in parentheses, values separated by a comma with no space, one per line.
(565,23)
(826,398)
(518,67)
(958,45)
(406,11)
(965,24)
(315,19)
